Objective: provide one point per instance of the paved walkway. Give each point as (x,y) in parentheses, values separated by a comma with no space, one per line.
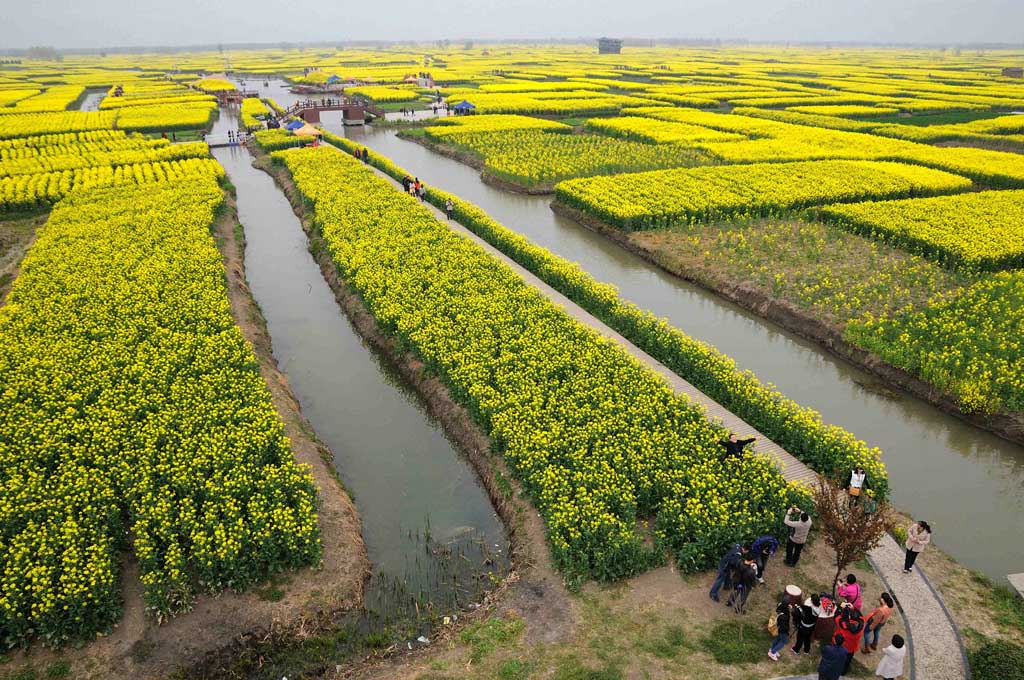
(935,644)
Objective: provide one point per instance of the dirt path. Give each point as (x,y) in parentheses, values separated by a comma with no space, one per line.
(16,239)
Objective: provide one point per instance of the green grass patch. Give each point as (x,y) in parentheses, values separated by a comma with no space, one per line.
(946,118)
(571,668)
(736,642)
(515,669)
(1007,611)
(58,669)
(671,644)
(484,638)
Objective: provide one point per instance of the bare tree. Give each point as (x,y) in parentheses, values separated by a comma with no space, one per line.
(849,529)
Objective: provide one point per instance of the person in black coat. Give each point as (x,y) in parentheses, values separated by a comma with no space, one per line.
(734,446)
(744,578)
(729,562)
(833,658)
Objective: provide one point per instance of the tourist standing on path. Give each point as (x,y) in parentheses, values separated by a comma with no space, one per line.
(449,208)
(782,623)
(850,591)
(855,484)
(851,625)
(729,562)
(744,577)
(366,155)
(763,548)
(874,621)
(891,665)
(734,446)
(918,536)
(804,620)
(801,526)
(421,191)
(833,656)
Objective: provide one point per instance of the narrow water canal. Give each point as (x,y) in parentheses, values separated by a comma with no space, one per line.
(422,507)
(967,483)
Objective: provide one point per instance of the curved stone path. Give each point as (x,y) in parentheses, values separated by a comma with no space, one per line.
(935,644)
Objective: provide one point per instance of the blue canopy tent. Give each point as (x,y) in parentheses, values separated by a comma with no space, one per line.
(464,106)
(333,79)
(294,125)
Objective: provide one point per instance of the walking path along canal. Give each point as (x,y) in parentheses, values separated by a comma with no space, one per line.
(928,453)
(936,652)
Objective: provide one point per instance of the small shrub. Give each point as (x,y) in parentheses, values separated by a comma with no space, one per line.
(900,534)
(998,660)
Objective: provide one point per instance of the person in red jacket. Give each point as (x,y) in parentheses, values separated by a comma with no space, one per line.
(850,624)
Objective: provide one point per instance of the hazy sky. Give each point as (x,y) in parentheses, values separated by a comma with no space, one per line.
(99,23)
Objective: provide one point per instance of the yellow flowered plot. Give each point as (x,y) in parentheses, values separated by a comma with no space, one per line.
(253,111)
(131,396)
(685,196)
(83,156)
(597,438)
(978,230)
(536,157)
(30,124)
(968,343)
(493,123)
(658,131)
(798,429)
(167,117)
(75,143)
(214,85)
(38,191)
(382,94)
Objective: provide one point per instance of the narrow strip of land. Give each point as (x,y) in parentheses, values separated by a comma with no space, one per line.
(936,652)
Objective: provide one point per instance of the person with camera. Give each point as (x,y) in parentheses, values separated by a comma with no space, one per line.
(850,624)
(800,522)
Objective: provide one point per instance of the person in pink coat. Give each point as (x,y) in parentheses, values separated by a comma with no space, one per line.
(850,591)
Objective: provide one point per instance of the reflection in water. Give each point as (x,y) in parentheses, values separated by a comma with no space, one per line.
(967,483)
(429,527)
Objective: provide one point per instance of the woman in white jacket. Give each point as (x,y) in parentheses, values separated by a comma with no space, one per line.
(891,665)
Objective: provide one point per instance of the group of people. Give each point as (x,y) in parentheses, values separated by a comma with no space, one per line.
(841,626)
(850,630)
(237,137)
(361,155)
(414,187)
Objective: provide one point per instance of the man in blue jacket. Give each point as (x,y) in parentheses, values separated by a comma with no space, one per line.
(833,658)
(726,565)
